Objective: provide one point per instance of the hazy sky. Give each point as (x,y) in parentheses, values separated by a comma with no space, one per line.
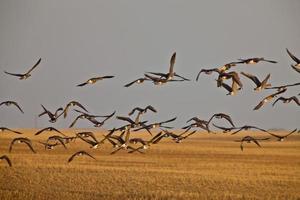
(81,39)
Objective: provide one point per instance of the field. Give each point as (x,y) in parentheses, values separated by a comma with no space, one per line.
(204,166)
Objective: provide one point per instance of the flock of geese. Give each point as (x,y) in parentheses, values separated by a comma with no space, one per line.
(121,138)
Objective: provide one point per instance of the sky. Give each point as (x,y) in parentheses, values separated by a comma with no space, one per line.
(78,40)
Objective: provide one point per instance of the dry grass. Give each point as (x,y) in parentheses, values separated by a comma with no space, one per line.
(202,167)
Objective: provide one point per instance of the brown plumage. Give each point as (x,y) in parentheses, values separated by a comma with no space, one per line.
(250,139)
(80,153)
(94,80)
(27,74)
(260,85)
(287,100)
(296,66)
(5,157)
(267,99)
(9,103)
(22,140)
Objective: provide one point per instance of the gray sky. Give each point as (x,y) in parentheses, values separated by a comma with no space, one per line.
(81,39)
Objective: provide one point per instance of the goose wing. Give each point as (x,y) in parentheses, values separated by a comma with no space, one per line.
(5,157)
(34,66)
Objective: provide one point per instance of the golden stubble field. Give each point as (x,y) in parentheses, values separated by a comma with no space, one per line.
(205,166)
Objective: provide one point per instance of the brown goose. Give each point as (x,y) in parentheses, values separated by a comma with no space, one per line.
(296,66)
(260,85)
(51,146)
(282,138)
(231,90)
(219,70)
(221,116)
(249,139)
(279,88)
(159,80)
(287,100)
(5,157)
(9,103)
(247,127)
(170,75)
(267,99)
(2,129)
(156,125)
(27,74)
(49,129)
(94,80)
(71,104)
(230,75)
(255,60)
(52,116)
(80,153)
(142,110)
(22,140)
(138,81)
(224,129)
(91,118)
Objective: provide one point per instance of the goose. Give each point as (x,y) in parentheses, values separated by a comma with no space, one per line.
(73,103)
(177,138)
(80,153)
(267,99)
(230,75)
(255,60)
(52,116)
(100,123)
(51,146)
(49,129)
(170,75)
(87,134)
(145,144)
(221,116)
(22,140)
(219,70)
(94,80)
(200,124)
(159,81)
(279,88)
(5,157)
(2,129)
(260,85)
(138,81)
(84,137)
(156,125)
(9,103)
(123,143)
(282,138)
(91,118)
(231,90)
(249,139)
(142,110)
(57,138)
(296,66)
(224,129)
(27,74)
(287,100)
(247,127)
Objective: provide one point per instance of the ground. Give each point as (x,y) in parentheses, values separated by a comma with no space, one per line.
(204,166)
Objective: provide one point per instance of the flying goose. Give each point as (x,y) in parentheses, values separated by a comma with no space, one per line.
(287,100)
(57,138)
(123,143)
(230,75)
(9,103)
(100,123)
(170,75)
(281,138)
(279,88)
(22,140)
(91,118)
(2,129)
(73,103)
(159,80)
(231,90)
(260,85)
(5,157)
(27,74)
(268,98)
(221,116)
(142,110)
(156,125)
(296,66)
(80,153)
(247,127)
(94,80)
(138,81)
(49,129)
(255,60)
(51,146)
(93,143)
(219,70)
(53,116)
(225,129)
(249,139)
